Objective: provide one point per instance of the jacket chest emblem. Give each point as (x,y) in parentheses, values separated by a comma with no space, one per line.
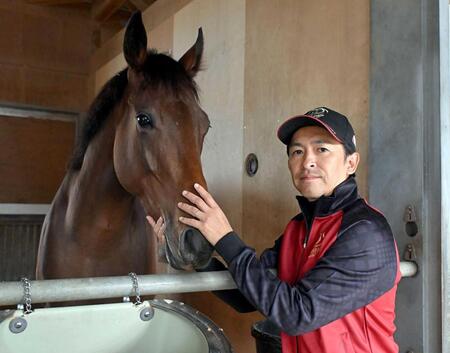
(317,245)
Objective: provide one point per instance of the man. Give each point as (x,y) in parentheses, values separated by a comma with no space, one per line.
(337,261)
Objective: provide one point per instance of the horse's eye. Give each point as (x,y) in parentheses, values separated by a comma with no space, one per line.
(144,120)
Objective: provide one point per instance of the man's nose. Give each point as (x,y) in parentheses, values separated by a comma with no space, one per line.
(309,161)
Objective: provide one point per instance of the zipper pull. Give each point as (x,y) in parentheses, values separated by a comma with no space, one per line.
(304,244)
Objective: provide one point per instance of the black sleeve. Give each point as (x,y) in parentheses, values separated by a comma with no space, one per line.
(359,267)
(234,297)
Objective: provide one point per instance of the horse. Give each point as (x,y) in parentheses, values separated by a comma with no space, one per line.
(140,147)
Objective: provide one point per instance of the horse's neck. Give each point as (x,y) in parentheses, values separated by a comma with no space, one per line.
(96,200)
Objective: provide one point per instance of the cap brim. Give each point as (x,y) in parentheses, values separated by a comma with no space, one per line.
(290,126)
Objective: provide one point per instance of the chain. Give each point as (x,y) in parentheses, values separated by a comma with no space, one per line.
(26,295)
(135,288)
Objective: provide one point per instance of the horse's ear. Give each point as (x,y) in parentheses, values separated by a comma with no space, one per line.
(135,42)
(191,60)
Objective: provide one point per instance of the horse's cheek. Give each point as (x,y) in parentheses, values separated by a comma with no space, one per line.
(124,167)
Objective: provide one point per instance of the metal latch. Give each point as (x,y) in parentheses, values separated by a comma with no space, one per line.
(410,220)
(410,253)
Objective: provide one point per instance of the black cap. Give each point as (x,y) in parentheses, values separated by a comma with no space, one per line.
(336,124)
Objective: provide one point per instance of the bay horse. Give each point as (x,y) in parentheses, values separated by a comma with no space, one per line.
(139,149)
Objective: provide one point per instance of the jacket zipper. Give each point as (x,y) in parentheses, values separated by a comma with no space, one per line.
(308,231)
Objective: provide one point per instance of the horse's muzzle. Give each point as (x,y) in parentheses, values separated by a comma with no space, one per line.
(194,248)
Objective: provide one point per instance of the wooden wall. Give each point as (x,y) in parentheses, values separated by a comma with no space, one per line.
(44,55)
(44,62)
(265,61)
(33,158)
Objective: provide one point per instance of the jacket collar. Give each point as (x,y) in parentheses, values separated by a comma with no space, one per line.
(343,195)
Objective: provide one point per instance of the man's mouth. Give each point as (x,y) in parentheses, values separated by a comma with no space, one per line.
(309,178)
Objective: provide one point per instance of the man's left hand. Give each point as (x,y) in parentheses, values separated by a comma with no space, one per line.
(208,216)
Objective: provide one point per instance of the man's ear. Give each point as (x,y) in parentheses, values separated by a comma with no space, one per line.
(352,162)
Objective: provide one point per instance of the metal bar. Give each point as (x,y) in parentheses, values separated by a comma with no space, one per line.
(60,290)
(24,209)
(27,111)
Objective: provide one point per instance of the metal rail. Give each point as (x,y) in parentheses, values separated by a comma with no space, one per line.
(49,291)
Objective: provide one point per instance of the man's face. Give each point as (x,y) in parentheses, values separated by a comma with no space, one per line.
(317,162)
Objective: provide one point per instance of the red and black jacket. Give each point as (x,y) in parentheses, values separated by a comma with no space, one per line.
(337,276)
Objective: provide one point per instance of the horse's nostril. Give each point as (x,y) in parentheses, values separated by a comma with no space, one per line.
(195,249)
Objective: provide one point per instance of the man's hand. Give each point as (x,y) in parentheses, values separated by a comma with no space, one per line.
(208,216)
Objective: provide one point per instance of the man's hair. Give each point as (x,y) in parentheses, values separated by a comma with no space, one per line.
(347,151)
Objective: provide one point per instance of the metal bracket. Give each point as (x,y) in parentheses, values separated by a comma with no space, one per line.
(18,325)
(410,253)
(251,164)
(147,313)
(410,220)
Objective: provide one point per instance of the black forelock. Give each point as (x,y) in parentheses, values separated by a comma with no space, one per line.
(162,69)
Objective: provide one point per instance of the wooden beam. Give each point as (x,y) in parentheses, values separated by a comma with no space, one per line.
(57,2)
(103,9)
(141,5)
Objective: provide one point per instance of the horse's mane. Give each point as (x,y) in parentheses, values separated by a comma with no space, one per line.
(159,69)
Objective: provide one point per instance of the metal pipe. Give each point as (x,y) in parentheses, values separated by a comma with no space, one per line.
(59,290)
(408,268)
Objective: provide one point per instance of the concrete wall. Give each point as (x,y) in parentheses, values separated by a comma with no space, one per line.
(406,95)
(265,61)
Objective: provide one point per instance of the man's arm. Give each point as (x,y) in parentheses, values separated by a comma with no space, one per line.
(234,297)
(359,267)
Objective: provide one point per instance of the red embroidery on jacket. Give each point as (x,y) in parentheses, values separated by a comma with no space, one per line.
(316,248)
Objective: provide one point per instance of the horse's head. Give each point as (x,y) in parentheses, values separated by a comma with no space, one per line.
(159,140)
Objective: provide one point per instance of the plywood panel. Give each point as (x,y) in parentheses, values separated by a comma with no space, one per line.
(292,64)
(11,50)
(12,83)
(56,43)
(222,97)
(44,51)
(56,89)
(75,47)
(221,93)
(33,158)
(9,4)
(41,41)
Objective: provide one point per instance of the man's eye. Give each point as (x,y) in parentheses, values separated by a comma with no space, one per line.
(296,152)
(144,120)
(323,149)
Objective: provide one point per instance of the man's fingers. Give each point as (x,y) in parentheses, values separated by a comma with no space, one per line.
(160,222)
(194,199)
(161,231)
(192,210)
(158,227)
(151,221)
(205,195)
(191,222)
